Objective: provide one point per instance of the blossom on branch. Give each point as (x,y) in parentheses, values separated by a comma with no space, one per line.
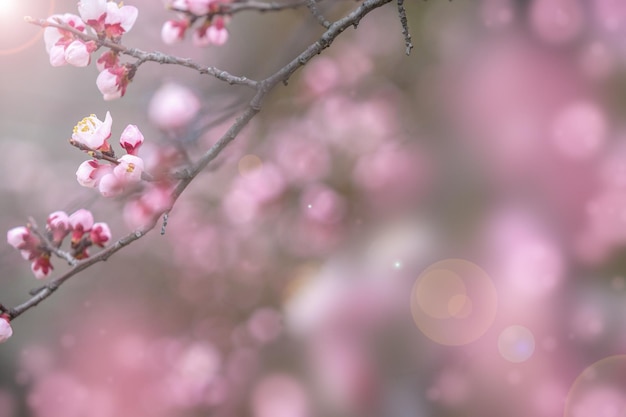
(173,31)
(90,173)
(131,139)
(93,132)
(108,18)
(129,169)
(41,266)
(5,329)
(112,82)
(212,32)
(63,46)
(100,234)
(58,224)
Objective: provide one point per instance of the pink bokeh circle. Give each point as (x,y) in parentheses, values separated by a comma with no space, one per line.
(453,302)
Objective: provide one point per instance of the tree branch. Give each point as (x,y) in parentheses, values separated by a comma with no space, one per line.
(263,87)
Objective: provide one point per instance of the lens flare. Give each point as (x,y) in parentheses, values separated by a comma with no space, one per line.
(15,35)
(453,302)
(599,390)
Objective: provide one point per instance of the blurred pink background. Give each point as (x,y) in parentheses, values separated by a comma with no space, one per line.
(435,235)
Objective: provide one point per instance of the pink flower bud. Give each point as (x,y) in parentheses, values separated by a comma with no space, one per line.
(173,106)
(17,237)
(100,234)
(110,185)
(199,7)
(129,169)
(81,220)
(57,56)
(90,172)
(112,82)
(173,31)
(41,267)
(131,139)
(217,35)
(5,329)
(59,224)
(93,132)
(78,54)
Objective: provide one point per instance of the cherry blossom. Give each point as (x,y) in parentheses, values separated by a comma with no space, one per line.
(59,225)
(81,221)
(100,234)
(131,139)
(90,173)
(173,106)
(112,82)
(108,17)
(173,31)
(110,185)
(41,266)
(63,46)
(129,169)
(93,132)
(5,329)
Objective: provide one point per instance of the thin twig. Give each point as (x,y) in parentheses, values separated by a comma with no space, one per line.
(405,27)
(315,11)
(143,56)
(48,245)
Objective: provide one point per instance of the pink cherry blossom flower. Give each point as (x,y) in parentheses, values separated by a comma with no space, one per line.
(100,234)
(173,106)
(217,35)
(119,19)
(63,46)
(93,12)
(78,53)
(107,17)
(18,236)
(211,33)
(173,31)
(131,139)
(5,329)
(198,7)
(110,185)
(93,132)
(81,220)
(112,82)
(41,266)
(59,224)
(26,242)
(90,172)
(129,169)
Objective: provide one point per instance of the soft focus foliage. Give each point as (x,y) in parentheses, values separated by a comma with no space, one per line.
(436,235)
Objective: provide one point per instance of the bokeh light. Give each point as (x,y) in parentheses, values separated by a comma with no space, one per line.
(600,390)
(15,34)
(516,344)
(453,302)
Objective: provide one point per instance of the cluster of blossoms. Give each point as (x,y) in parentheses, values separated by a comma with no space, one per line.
(38,248)
(211,30)
(105,21)
(118,175)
